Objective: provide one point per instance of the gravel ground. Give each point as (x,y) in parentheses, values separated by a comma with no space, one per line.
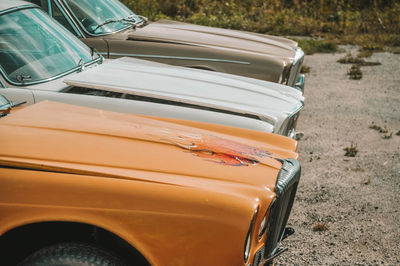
(347,210)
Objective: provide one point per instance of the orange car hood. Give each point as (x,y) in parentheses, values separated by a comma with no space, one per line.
(185,33)
(65,138)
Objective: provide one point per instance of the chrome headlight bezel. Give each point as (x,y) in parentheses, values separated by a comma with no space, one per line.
(247,243)
(265,221)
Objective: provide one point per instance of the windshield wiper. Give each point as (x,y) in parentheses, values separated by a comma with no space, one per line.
(144,21)
(127,20)
(81,65)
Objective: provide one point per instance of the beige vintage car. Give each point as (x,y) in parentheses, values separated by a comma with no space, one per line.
(115,31)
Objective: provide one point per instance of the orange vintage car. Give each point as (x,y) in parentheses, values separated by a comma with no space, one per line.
(81,185)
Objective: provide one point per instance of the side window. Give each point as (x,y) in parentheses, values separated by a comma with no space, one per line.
(42,3)
(59,16)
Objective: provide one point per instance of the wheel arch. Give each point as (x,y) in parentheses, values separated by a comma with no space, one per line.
(23,239)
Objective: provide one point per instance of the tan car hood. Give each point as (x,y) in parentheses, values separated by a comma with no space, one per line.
(184,33)
(65,138)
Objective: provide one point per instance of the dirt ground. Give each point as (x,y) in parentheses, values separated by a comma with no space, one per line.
(347,210)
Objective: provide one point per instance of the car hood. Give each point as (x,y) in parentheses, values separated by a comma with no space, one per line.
(249,97)
(64,138)
(191,34)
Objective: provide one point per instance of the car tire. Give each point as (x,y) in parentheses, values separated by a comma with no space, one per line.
(72,254)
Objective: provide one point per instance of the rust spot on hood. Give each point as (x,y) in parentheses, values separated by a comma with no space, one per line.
(219,150)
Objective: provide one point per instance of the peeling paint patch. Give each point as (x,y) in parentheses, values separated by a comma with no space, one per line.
(226,158)
(219,150)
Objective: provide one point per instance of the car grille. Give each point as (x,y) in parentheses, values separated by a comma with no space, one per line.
(296,67)
(290,127)
(258,257)
(285,189)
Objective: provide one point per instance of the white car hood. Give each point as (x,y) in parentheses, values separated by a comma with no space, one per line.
(269,101)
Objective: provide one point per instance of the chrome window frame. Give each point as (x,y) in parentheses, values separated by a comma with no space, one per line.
(15,8)
(77,30)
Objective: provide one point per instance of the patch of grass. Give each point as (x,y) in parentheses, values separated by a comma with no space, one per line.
(320,227)
(387,136)
(305,69)
(383,130)
(351,151)
(395,50)
(365,53)
(375,127)
(379,128)
(349,59)
(311,46)
(355,72)
(367,182)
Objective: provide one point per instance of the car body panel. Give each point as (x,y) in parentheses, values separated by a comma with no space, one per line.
(139,132)
(31,96)
(190,86)
(137,177)
(191,34)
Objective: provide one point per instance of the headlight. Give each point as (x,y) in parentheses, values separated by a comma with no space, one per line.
(247,244)
(263,226)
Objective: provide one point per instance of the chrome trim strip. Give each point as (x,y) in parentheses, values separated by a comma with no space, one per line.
(49,8)
(178,58)
(2,84)
(76,69)
(12,9)
(299,55)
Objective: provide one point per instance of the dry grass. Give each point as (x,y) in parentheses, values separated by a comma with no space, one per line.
(355,72)
(379,128)
(349,59)
(320,227)
(387,136)
(351,151)
(305,69)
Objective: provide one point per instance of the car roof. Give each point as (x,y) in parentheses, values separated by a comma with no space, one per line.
(7,4)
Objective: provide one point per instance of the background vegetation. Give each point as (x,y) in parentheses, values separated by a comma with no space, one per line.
(369,23)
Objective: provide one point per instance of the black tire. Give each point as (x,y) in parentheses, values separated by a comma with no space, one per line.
(72,254)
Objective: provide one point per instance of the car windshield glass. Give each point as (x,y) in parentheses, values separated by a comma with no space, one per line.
(34,48)
(100,17)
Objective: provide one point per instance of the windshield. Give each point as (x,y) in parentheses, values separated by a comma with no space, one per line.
(34,48)
(101,17)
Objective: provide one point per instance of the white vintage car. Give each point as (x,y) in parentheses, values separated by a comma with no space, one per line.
(45,61)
